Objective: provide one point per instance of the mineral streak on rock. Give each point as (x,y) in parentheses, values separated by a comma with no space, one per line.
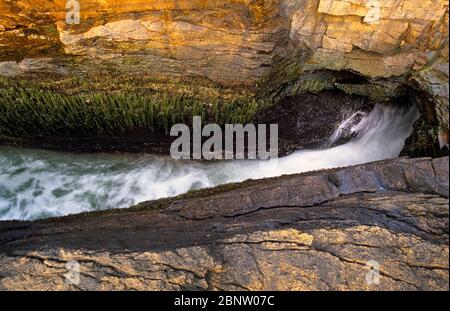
(314,231)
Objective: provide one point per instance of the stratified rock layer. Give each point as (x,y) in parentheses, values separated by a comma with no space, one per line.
(225,40)
(316,231)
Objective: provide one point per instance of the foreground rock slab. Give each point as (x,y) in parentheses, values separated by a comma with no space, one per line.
(327,230)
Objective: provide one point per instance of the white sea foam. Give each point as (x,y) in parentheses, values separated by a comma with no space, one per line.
(38,184)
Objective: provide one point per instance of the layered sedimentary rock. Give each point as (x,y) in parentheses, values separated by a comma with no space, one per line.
(236,42)
(375,38)
(327,230)
(229,40)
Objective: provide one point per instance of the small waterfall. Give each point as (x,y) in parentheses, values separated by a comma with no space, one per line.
(38,184)
(349,128)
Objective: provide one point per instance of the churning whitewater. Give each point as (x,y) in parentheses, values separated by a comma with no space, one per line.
(38,184)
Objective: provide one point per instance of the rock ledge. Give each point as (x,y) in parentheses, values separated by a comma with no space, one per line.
(315,231)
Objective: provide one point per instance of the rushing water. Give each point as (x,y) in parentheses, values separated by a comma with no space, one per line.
(37,184)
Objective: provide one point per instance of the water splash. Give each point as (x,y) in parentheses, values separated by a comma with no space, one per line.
(349,128)
(38,184)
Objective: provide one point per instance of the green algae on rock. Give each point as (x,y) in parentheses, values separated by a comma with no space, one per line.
(97,105)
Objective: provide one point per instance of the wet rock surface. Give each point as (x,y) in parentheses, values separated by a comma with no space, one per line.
(433,81)
(304,121)
(308,120)
(314,231)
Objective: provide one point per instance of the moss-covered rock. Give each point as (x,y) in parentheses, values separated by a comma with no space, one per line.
(105,105)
